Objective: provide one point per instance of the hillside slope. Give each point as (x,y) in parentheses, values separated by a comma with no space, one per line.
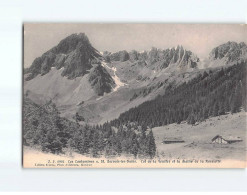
(197,139)
(208,94)
(139,73)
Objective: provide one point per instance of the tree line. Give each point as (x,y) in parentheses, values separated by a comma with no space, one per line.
(210,94)
(43,128)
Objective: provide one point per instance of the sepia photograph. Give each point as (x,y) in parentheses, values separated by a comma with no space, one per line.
(134,95)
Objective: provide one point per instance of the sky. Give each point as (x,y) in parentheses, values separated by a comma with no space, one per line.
(199,38)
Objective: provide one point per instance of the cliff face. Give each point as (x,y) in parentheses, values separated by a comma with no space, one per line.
(101,80)
(178,56)
(157,58)
(117,56)
(230,51)
(74,53)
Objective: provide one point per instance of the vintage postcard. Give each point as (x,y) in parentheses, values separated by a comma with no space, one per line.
(104,95)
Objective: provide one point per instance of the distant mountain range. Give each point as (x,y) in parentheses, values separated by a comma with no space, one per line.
(156,58)
(100,86)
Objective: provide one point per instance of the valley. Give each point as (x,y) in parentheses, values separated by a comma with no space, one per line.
(159,103)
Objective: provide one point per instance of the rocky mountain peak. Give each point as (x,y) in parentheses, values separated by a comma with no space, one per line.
(173,56)
(71,43)
(74,53)
(230,51)
(158,58)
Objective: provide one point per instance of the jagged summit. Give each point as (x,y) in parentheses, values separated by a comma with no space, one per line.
(70,43)
(230,51)
(157,58)
(74,53)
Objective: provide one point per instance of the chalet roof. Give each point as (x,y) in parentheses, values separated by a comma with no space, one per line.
(217,136)
(227,138)
(232,138)
(173,139)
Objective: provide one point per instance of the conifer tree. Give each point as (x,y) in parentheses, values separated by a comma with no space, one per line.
(151,147)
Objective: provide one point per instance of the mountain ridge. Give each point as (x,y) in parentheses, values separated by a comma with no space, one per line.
(101,86)
(156,58)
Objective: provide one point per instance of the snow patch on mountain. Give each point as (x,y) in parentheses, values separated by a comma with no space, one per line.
(116,79)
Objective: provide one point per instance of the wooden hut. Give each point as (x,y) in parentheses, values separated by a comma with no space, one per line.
(172,140)
(225,140)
